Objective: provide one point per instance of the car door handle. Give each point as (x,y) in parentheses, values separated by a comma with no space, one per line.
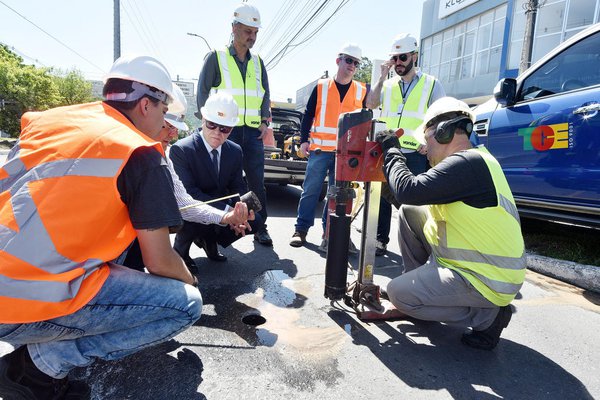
(587,109)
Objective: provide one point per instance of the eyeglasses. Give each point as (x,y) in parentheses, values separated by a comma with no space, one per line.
(226,130)
(351,61)
(401,57)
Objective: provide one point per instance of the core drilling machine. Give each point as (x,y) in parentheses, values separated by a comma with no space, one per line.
(358,159)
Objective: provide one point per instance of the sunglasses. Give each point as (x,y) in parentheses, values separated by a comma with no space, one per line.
(351,61)
(223,129)
(401,57)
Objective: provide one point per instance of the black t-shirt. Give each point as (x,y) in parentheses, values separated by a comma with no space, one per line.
(146,187)
(462,176)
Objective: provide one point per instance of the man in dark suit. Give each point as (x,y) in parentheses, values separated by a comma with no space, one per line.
(210,167)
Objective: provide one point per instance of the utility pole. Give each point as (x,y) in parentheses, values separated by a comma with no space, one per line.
(531,7)
(117,29)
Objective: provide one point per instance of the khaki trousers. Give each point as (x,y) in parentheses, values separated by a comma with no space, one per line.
(429,291)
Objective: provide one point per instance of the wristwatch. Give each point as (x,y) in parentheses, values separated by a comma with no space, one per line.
(266,122)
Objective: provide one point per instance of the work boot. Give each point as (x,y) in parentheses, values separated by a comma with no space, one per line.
(263,238)
(380,249)
(298,239)
(488,338)
(21,379)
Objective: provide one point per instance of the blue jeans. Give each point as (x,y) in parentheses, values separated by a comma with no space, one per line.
(417,164)
(319,166)
(132,311)
(254,162)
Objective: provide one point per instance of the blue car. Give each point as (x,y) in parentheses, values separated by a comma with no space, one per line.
(544,129)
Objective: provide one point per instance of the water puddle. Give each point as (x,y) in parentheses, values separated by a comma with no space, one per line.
(278,299)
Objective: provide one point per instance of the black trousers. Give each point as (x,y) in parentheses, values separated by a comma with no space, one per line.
(194,232)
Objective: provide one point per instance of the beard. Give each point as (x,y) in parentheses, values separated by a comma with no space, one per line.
(407,68)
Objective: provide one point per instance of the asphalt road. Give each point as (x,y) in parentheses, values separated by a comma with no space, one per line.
(310,349)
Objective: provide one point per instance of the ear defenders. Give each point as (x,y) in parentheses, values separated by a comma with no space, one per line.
(445,129)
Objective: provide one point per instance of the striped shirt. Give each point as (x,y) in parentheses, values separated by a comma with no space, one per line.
(202,214)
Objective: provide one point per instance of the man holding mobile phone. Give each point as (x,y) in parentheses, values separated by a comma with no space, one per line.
(404,99)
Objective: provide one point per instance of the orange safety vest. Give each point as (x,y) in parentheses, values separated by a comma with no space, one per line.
(61,215)
(329,108)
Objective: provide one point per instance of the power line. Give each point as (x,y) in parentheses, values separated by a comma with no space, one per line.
(23,55)
(295,19)
(149,31)
(53,37)
(274,61)
(146,43)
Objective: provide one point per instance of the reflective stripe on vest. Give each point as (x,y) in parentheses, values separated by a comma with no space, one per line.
(57,229)
(248,93)
(484,245)
(329,107)
(412,111)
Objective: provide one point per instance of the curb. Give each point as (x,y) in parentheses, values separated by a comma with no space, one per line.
(584,276)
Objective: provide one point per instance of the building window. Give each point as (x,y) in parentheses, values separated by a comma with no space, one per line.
(556,21)
(468,49)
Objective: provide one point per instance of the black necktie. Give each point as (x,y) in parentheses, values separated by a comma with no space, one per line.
(215,160)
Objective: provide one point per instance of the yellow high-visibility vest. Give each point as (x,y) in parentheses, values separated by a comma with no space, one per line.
(248,93)
(484,245)
(408,115)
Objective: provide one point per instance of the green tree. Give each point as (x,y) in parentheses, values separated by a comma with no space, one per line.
(23,88)
(73,87)
(28,88)
(363,74)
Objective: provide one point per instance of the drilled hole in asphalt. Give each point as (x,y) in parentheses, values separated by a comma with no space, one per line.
(253,319)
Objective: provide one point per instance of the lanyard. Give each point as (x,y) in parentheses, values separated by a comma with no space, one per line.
(405,92)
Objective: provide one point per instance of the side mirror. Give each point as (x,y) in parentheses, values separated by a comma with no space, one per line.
(505,92)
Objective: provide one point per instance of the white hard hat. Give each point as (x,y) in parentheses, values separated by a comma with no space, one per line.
(352,50)
(445,105)
(177,110)
(221,109)
(247,14)
(403,43)
(142,69)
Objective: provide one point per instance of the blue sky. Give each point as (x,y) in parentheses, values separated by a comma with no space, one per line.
(159,28)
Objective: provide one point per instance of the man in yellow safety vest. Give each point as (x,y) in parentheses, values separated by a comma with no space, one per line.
(243,75)
(404,99)
(463,251)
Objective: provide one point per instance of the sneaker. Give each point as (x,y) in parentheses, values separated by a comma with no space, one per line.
(21,379)
(380,249)
(263,238)
(488,338)
(298,239)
